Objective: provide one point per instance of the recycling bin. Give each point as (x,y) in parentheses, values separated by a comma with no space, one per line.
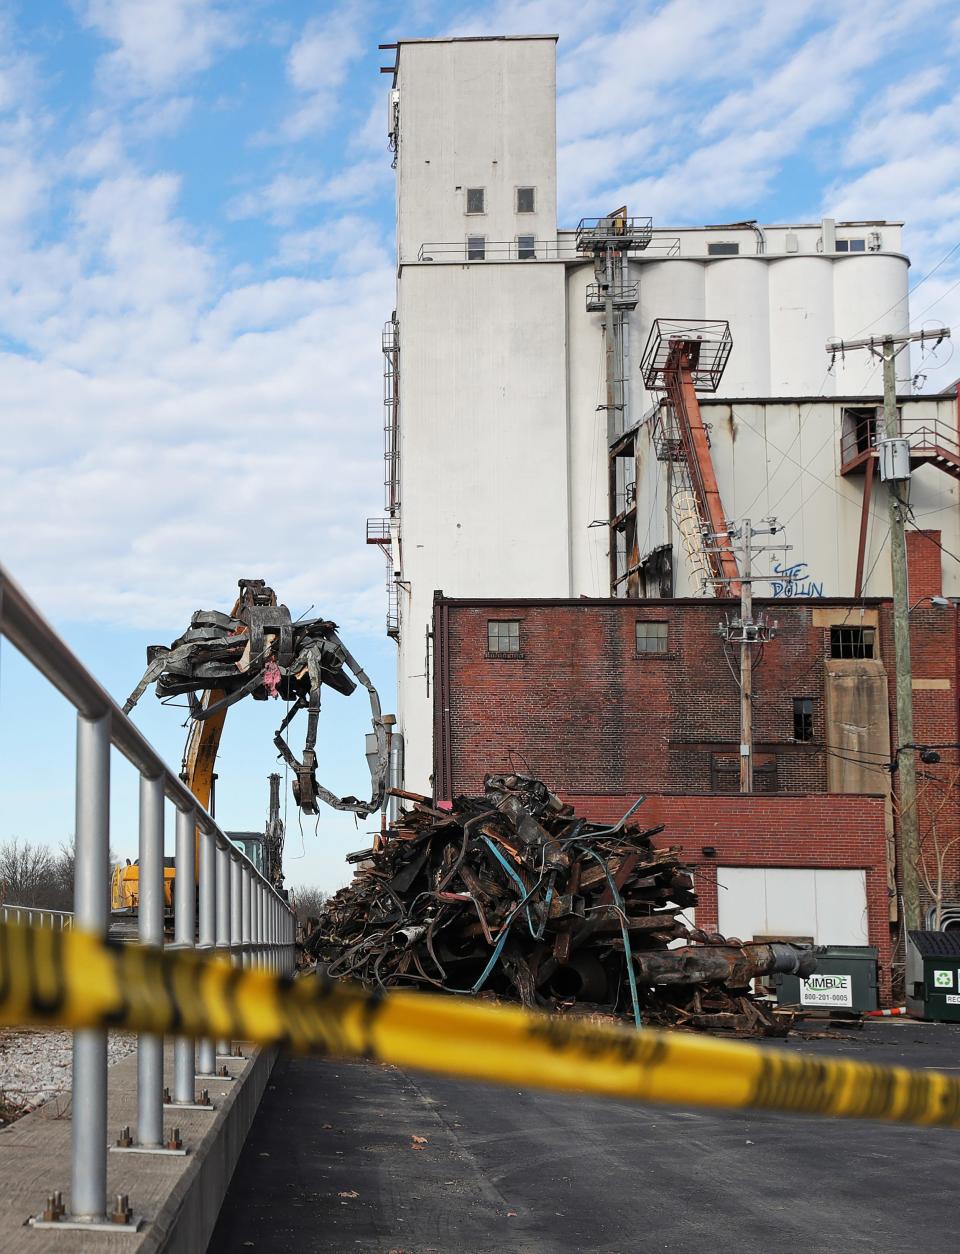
(933,975)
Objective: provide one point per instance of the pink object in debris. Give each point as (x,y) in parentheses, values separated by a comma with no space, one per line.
(271,678)
(443,805)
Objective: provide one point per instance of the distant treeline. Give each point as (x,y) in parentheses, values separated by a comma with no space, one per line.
(34,875)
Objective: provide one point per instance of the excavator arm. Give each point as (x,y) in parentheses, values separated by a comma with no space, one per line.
(258,651)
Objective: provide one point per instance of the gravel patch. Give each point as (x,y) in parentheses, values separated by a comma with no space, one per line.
(37,1066)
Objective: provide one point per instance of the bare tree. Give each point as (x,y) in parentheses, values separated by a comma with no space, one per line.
(26,873)
(937,802)
(307,901)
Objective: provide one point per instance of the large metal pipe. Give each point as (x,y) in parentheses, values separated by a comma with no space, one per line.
(184,1066)
(150,924)
(733,965)
(91,912)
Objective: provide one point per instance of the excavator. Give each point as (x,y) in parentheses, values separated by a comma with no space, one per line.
(256,650)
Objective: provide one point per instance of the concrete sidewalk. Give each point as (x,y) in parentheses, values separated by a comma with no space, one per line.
(178,1197)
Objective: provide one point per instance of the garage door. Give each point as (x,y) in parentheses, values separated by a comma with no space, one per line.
(830,906)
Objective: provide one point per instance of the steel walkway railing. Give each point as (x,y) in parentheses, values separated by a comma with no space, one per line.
(59,920)
(241,915)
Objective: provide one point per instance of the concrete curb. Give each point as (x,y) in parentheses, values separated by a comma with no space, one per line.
(186,1220)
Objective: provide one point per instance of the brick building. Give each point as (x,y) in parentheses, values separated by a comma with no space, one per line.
(608,699)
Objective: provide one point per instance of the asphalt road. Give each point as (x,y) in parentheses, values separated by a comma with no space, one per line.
(332,1164)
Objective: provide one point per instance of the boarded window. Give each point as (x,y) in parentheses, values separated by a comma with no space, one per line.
(723,248)
(476,200)
(652,637)
(476,248)
(503,635)
(852,642)
(725,772)
(803,718)
(526,199)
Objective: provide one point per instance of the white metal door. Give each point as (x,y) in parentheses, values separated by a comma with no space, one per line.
(829,905)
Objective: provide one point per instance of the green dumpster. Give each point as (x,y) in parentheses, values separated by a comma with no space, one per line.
(933,975)
(845,980)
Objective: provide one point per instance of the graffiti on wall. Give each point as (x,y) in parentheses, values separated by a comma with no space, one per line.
(794,581)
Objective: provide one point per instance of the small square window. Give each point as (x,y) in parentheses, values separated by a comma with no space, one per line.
(476,247)
(852,642)
(503,635)
(723,248)
(851,245)
(652,637)
(526,200)
(526,247)
(476,200)
(803,718)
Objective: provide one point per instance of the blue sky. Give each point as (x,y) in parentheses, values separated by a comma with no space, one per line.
(195,263)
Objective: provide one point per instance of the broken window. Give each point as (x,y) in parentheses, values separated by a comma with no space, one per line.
(656,572)
(859,429)
(526,247)
(526,200)
(503,635)
(476,247)
(652,637)
(803,718)
(476,200)
(723,248)
(852,642)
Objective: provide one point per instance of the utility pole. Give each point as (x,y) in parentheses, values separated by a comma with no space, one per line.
(746,659)
(745,630)
(895,471)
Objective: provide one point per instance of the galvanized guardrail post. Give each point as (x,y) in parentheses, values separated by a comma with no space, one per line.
(150,911)
(88,1193)
(207,936)
(184,1070)
(246,953)
(224,906)
(256,936)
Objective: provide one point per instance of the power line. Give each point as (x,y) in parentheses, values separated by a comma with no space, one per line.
(932,540)
(943,260)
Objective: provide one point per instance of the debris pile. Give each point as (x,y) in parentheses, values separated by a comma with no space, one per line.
(511,895)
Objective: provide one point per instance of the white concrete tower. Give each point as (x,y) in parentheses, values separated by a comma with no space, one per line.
(497,456)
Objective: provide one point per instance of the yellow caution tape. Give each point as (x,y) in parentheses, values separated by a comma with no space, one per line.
(72,979)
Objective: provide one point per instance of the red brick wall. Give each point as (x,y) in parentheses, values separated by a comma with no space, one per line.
(924,564)
(580,709)
(813,830)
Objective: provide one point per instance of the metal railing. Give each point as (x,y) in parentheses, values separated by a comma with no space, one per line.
(59,920)
(241,915)
(929,438)
(563,249)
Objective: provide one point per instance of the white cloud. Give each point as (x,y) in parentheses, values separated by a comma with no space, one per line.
(158,42)
(317,67)
(284,197)
(168,428)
